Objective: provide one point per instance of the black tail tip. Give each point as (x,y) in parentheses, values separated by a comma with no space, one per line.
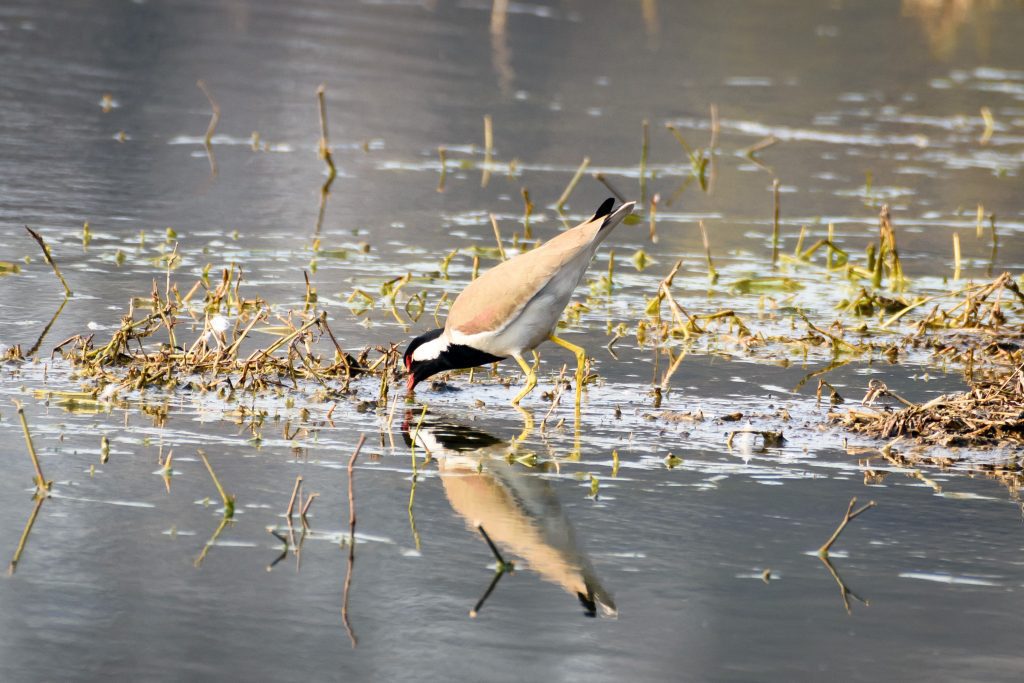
(605,209)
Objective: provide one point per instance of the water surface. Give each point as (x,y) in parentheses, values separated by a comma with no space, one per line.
(700,566)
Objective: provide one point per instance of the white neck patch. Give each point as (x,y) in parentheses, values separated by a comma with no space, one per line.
(431,350)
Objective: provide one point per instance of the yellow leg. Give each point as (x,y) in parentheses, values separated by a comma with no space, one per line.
(581,360)
(531,379)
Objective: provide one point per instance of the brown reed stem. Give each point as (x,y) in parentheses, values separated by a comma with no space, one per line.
(40,481)
(560,204)
(485,177)
(775,221)
(324,147)
(644,145)
(443,154)
(956,256)
(290,512)
(712,273)
(305,509)
(497,237)
(351,542)
(850,515)
(653,218)
(49,259)
(214,115)
(211,127)
(229,501)
(351,493)
(601,178)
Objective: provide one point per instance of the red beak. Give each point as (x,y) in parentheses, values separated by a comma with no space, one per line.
(410,383)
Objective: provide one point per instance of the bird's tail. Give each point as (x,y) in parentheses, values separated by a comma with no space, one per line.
(611,218)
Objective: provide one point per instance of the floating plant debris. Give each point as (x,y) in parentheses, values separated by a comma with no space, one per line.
(990,413)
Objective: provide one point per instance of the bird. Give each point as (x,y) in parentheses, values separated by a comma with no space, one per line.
(514,307)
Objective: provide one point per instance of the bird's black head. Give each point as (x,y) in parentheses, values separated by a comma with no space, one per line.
(431,353)
(425,363)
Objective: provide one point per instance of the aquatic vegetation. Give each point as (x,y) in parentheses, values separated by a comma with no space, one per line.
(42,483)
(49,259)
(987,415)
(145,350)
(758,293)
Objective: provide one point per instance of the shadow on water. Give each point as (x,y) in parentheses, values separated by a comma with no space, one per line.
(516,507)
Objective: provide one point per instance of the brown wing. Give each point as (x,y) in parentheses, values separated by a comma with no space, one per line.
(494,298)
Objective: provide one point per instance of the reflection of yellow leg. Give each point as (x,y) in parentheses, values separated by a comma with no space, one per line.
(576,455)
(531,379)
(527,426)
(581,360)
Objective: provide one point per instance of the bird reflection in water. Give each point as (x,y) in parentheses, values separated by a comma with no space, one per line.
(517,509)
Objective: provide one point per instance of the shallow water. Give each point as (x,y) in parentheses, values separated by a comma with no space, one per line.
(870,104)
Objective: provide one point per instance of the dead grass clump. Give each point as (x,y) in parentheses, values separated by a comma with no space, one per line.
(150,349)
(990,413)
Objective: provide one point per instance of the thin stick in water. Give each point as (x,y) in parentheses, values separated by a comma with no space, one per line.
(41,482)
(775,221)
(527,212)
(443,154)
(49,259)
(305,509)
(351,492)
(351,541)
(290,512)
(712,145)
(715,126)
(415,437)
(497,237)
(712,273)
(560,204)
(485,177)
(644,144)
(601,178)
(990,125)
(956,256)
(229,500)
(760,146)
(214,115)
(672,369)
(995,239)
(324,147)
(850,515)
(653,218)
(211,127)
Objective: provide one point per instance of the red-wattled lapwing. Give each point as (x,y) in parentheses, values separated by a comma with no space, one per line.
(515,306)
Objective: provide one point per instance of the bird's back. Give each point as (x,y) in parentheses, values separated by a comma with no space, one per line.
(495,298)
